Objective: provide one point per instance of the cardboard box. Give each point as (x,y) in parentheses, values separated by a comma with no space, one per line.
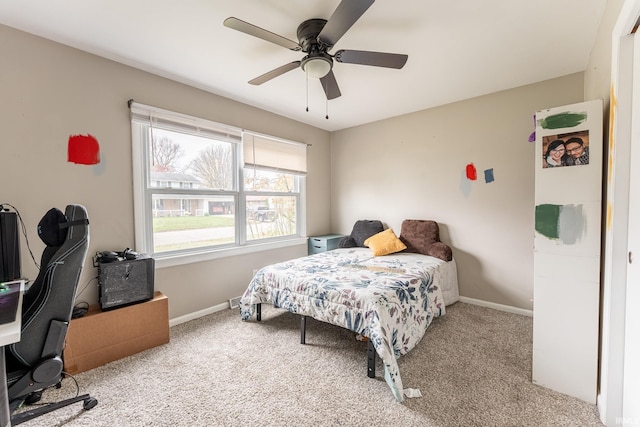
(100,337)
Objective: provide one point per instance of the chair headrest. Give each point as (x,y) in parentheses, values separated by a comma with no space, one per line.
(50,227)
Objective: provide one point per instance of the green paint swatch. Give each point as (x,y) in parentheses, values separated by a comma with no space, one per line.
(547,220)
(562,120)
(565,223)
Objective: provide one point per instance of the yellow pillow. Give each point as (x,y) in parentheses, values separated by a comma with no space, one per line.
(384,243)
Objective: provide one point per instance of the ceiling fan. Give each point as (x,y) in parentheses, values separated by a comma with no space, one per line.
(316,37)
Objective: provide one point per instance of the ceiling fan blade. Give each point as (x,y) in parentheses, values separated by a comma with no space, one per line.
(330,86)
(261,33)
(345,15)
(275,73)
(377,59)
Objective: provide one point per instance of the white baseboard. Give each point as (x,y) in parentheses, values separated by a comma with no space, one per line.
(602,408)
(191,316)
(225,306)
(496,306)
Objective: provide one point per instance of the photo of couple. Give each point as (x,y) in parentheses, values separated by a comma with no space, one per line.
(570,149)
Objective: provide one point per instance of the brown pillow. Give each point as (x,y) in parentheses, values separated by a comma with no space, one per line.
(423,237)
(440,250)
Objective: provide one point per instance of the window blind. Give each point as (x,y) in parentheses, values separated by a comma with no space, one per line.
(157,117)
(275,154)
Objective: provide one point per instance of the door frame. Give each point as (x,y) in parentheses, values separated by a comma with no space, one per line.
(611,396)
(631,386)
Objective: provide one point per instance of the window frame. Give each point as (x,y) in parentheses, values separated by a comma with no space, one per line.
(143,193)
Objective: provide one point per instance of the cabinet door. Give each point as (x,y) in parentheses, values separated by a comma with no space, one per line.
(567,249)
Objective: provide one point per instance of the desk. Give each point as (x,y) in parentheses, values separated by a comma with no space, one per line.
(9,333)
(324,243)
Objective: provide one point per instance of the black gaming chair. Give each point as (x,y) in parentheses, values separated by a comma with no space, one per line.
(35,363)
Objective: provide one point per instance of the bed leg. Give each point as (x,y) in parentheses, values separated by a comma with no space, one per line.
(259,312)
(303,329)
(371,360)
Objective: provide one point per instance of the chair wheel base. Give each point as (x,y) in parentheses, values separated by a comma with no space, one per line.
(33,398)
(90,403)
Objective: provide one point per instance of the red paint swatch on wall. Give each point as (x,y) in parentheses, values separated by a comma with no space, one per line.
(472,173)
(84,150)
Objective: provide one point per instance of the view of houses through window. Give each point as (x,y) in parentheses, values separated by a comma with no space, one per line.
(198,195)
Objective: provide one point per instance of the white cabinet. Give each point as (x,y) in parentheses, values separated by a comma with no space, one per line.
(568,212)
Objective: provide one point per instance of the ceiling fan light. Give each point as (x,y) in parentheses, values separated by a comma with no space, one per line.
(317,67)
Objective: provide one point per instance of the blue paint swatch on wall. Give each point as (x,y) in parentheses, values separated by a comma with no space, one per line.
(488,176)
(465,184)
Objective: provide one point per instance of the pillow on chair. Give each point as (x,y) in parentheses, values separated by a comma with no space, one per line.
(362,230)
(49,229)
(423,237)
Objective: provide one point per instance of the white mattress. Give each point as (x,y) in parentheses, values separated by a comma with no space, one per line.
(449,280)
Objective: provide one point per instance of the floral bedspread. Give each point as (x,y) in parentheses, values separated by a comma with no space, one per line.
(390,299)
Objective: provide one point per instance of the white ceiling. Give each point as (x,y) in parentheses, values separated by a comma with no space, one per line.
(457,49)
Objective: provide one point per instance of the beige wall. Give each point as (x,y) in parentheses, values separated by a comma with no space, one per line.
(406,167)
(413,166)
(597,76)
(49,91)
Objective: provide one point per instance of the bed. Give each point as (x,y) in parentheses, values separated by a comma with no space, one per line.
(389,299)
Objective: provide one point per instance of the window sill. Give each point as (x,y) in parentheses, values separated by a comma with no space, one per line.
(172,261)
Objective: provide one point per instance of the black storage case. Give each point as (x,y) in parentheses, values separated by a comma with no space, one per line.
(126,282)
(9,247)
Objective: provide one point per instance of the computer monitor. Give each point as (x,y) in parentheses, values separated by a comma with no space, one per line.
(9,247)
(9,301)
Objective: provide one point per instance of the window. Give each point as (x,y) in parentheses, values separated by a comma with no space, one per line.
(202,187)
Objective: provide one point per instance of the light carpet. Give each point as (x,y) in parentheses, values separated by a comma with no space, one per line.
(473,367)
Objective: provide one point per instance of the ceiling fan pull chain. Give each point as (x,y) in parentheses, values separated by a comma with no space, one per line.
(326,101)
(307,77)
